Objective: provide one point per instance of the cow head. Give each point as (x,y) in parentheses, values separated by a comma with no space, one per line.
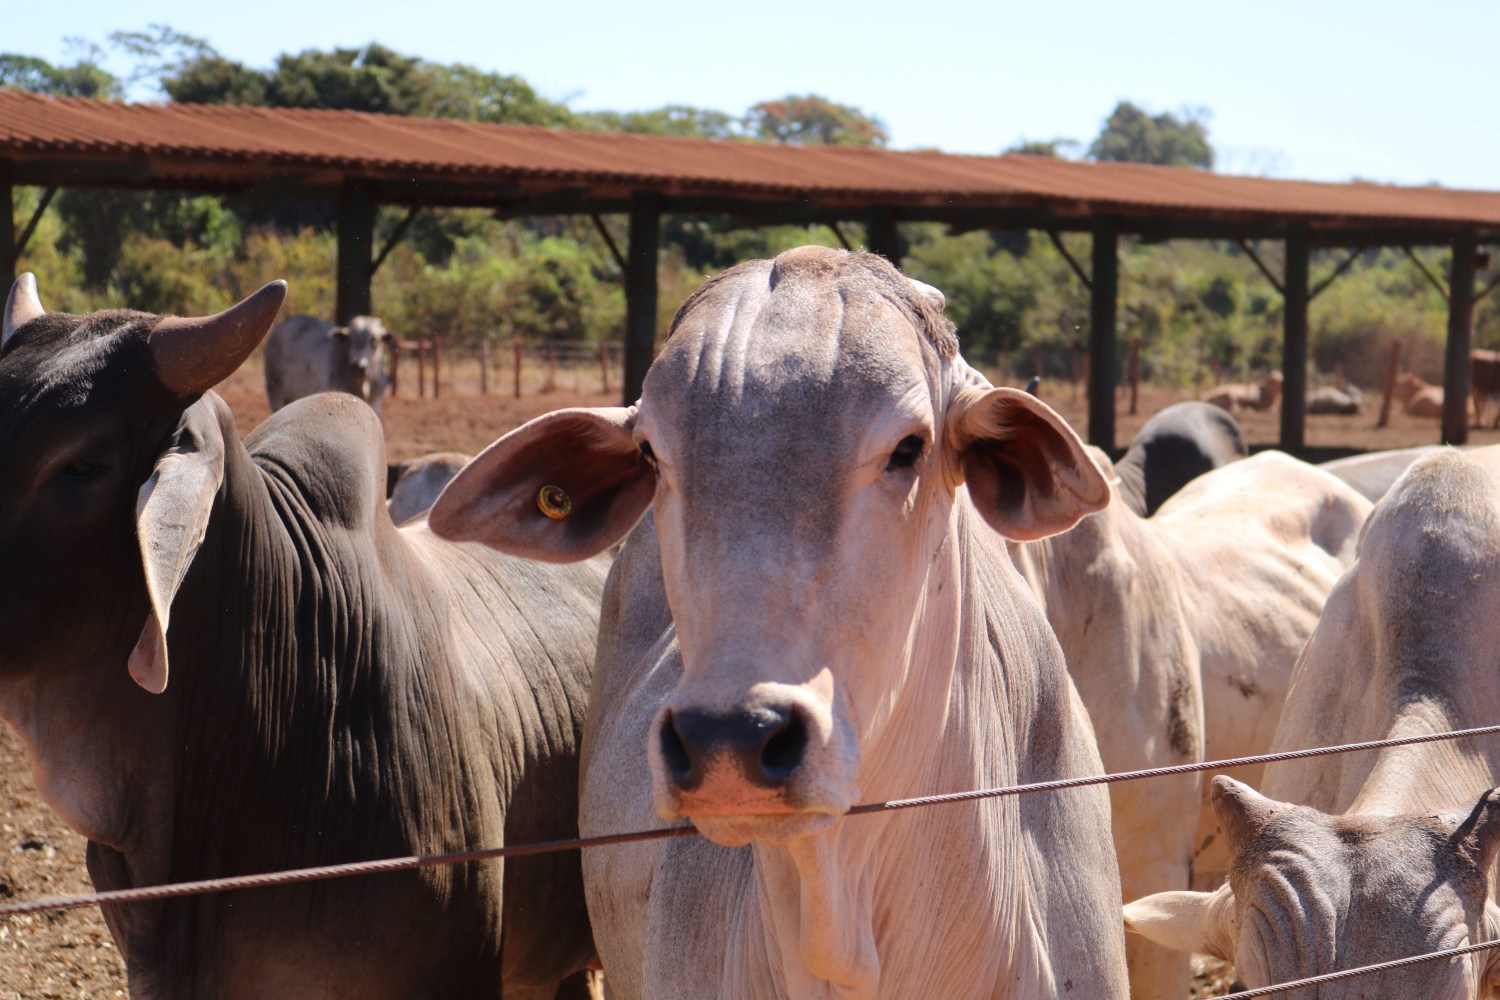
(804,435)
(108,472)
(1310,893)
(363,345)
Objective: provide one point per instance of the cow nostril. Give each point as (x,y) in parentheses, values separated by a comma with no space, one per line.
(675,754)
(784,750)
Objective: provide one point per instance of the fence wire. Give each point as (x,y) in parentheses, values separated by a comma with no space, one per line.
(268,879)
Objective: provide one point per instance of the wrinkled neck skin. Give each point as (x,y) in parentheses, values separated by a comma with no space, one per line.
(858,909)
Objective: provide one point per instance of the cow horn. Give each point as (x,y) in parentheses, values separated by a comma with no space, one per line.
(1241,810)
(21,306)
(194,355)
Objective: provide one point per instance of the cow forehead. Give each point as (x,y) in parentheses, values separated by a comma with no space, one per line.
(807,346)
(60,359)
(1374,881)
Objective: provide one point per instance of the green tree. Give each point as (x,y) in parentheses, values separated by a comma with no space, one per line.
(1056,148)
(808,119)
(212,79)
(160,51)
(83,79)
(1130,135)
(673,120)
(374,79)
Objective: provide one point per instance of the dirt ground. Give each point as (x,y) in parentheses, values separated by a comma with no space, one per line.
(69,954)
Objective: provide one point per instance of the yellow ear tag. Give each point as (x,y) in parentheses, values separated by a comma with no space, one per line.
(554,502)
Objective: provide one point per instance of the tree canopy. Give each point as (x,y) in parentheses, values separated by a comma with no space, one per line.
(809,120)
(1130,135)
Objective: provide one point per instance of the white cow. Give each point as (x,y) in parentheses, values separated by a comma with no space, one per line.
(820,612)
(1383,855)
(1373,473)
(419,481)
(304,355)
(1181,631)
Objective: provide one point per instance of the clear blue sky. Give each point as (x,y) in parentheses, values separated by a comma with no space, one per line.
(1319,89)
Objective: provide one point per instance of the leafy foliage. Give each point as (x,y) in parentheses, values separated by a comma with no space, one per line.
(1130,135)
(809,119)
(83,79)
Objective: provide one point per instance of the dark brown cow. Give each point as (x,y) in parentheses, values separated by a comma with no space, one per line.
(339,690)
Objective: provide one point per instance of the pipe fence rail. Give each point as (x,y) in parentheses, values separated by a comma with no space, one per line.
(270,879)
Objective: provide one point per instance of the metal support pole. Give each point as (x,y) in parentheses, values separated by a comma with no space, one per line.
(7,233)
(1456,361)
(1104,303)
(356,238)
(1294,344)
(882,235)
(641,292)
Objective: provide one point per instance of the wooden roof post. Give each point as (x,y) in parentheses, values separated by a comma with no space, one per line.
(356,238)
(882,236)
(640,292)
(1456,362)
(7,231)
(1103,311)
(1294,284)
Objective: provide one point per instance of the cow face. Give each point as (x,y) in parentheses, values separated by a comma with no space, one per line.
(89,502)
(363,344)
(1310,893)
(803,435)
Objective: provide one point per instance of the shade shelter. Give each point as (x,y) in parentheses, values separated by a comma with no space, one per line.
(358,161)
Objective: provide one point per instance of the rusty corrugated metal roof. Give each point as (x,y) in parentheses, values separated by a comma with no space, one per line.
(214,142)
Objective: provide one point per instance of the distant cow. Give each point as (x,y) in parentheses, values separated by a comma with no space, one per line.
(305,355)
(1363,858)
(1239,396)
(1181,632)
(339,690)
(419,481)
(1179,443)
(1419,398)
(820,610)
(1484,375)
(1331,400)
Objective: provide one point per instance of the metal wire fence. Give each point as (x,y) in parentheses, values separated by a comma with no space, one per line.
(268,879)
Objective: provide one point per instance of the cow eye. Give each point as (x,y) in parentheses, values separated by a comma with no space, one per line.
(80,471)
(648,454)
(906,454)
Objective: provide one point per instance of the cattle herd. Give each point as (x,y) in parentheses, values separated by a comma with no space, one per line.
(820,562)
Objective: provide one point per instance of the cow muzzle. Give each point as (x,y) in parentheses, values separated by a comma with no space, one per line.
(758,748)
(772,767)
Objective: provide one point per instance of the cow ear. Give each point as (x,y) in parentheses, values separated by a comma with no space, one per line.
(171,518)
(1186,921)
(563,487)
(339,333)
(1241,810)
(1478,837)
(1027,471)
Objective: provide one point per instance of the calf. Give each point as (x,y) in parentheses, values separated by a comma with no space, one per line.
(1239,396)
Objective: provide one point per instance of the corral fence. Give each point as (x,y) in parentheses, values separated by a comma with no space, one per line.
(513,367)
(1060,363)
(268,879)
